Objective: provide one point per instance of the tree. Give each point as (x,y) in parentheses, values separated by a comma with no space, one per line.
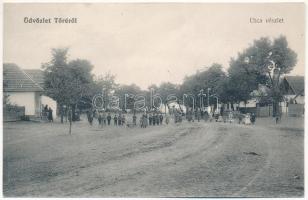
(263,63)
(165,90)
(6,100)
(67,82)
(106,85)
(242,80)
(212,78)
(127,94)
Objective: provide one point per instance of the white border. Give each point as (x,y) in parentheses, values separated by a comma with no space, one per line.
(151,1)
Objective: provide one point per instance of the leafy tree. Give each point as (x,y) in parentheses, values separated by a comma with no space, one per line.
(212,78)
(67,82)
(165,90)
(6,100)
(262,63)
(106,85)
(127,94)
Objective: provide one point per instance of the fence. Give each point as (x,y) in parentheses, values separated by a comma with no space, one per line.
(13,113)
(296,110)
(260,111)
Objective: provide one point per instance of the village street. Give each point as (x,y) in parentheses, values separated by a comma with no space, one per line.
(175,160)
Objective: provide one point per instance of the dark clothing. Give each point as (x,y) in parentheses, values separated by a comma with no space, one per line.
(154,120)
(161,118)
(90,117)
(253,118)
(119,120)
(50,118)
(123,120)
(108,119)
(134,120)
(99,118)
(115,120)
(46,109)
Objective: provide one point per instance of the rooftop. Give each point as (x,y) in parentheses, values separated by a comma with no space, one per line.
(17,80)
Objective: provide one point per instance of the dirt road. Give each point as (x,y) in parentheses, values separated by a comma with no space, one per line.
(184,160)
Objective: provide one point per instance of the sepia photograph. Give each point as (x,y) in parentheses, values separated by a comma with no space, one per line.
(153,100)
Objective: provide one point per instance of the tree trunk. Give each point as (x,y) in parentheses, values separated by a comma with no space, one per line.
(245,106)
(70,119)
(232,106)
(275,108)
(70,131)
(73,114)
(61,113)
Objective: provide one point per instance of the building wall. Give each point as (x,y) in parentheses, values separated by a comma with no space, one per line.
(26,99)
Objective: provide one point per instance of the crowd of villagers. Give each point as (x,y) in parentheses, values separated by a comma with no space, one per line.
(155,117)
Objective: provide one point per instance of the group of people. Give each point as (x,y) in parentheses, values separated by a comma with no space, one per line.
(119,119)
(227,116)
(105,119)
(152,119)
(47,113)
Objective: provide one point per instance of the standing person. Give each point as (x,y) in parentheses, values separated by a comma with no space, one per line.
(277,118)
(141,121)
(99,118)
(123,120)
(90,116)
(150,119)
(161,118)
(120,119)
(50,117)
(167,119)
(157,118)
(240,118)
(206,116)
(134,119)
(108,119)
(253,118)
(104,117)
(154,119)
(46,108)
(198,115)
(45,112)
(145,120)
(115,120)
(230,116)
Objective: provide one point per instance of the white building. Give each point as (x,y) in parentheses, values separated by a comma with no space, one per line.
(25,88)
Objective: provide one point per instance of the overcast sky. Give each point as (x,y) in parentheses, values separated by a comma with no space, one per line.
(148,43)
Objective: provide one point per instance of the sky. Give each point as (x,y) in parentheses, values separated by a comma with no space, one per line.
(148,43)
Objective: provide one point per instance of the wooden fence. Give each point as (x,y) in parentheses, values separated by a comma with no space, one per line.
(13,113)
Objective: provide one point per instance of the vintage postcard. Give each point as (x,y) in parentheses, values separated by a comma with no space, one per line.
(153,99)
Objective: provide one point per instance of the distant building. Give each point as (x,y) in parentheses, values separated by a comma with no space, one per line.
(25,88)
(293,88)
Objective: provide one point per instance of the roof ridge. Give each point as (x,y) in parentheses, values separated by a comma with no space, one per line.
(27,75)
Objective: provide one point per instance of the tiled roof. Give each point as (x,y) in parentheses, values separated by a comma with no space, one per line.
(37,75)
(297,83)
(17,80)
